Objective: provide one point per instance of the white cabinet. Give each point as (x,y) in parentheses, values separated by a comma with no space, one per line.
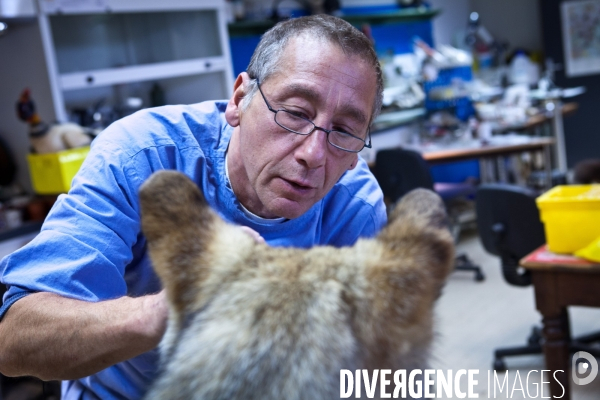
(76,54)
(17,8)
(106,51)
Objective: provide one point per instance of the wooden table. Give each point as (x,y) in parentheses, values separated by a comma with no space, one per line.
(491,156)
(474,149)
(444,155)
(538,120)
(396,137)
(560,281)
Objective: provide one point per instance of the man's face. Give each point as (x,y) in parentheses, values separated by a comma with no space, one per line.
(276,173)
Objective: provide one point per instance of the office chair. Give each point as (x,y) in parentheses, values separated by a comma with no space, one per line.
(509,226)
(399,171)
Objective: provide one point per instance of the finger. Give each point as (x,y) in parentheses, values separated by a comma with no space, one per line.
(255,235)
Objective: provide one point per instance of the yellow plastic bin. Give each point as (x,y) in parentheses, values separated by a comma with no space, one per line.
(52,173)
(571,216)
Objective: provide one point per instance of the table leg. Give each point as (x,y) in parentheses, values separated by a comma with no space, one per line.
(557,336)
(559,135)
(484,170)
(501,166)
(548,166)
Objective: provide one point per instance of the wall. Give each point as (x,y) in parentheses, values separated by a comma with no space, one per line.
(581,129)
(23,65)
(452,20)
(517,21)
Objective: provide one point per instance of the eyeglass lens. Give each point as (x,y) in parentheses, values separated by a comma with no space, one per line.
(297,124)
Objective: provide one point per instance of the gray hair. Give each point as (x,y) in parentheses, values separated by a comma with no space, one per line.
(266,58)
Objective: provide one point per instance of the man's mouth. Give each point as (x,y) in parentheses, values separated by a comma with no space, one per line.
(299,185)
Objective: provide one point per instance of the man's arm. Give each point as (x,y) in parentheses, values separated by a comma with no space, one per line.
(53,337)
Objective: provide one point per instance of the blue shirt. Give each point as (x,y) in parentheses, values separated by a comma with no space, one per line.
(91,247)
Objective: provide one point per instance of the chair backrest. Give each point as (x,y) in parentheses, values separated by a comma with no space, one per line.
(399,171)
(509,226)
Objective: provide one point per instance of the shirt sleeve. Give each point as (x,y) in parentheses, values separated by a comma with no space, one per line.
(87,240)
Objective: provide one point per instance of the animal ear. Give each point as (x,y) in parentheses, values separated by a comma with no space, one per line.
(416,255)
(178,224)
(418,227)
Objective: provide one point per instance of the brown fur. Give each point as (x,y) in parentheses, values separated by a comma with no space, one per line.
(248,321)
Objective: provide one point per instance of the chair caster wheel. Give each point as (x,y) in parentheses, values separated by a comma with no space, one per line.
(535,337)
(479,276)
(499,365)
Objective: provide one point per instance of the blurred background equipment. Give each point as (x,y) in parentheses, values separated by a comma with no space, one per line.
(49,138)
(8,168)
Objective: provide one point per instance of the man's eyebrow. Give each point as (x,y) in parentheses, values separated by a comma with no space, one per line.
(346,109)
(354,113)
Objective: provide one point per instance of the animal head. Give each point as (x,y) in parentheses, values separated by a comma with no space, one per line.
(250,321)
(26,108)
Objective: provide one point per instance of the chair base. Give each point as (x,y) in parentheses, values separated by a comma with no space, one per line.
(534,346)
(464,263)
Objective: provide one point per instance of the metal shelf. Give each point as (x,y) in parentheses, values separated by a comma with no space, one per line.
(138,73)
(246,28)
(403,15)
(100,6)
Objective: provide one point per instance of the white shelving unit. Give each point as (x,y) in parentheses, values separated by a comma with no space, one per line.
(108,50)
(75,54)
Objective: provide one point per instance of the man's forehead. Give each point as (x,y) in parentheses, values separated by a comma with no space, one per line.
(302,89)
(308,59)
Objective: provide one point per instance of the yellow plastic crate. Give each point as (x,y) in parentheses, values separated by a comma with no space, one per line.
(571,216)
(52,173)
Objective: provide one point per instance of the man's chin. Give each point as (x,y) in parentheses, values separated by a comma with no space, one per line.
(289,209)
(290,213)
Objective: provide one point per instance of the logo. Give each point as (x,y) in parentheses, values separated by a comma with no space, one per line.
(584,368)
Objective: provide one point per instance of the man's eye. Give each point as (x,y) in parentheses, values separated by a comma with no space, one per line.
(344,130)
(298,114)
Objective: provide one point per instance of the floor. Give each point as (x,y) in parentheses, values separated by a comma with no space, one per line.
(472,319)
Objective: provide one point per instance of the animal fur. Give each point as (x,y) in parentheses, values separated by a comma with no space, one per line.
(248,321)
(60,137)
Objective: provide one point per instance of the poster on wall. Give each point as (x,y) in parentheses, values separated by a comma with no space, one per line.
(581,36)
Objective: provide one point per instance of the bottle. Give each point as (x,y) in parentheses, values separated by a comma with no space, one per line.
(519,69)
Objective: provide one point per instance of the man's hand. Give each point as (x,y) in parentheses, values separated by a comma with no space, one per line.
(255,235)
(53,337)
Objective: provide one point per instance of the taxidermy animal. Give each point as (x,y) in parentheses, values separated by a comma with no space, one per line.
(248,321)
(45,138)
(587,172)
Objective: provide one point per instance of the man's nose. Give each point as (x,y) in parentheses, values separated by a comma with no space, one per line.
(313,149)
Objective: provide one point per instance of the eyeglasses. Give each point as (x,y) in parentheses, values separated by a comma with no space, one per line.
(295,123)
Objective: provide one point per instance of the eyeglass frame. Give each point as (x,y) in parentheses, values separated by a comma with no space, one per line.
(315,127)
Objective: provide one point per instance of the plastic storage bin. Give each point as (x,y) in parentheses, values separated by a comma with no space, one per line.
(446,80)
(571,216)
(52,173)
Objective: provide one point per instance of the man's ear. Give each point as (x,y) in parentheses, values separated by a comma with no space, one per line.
(234,106)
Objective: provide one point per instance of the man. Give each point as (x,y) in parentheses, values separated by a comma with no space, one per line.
(280,158)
